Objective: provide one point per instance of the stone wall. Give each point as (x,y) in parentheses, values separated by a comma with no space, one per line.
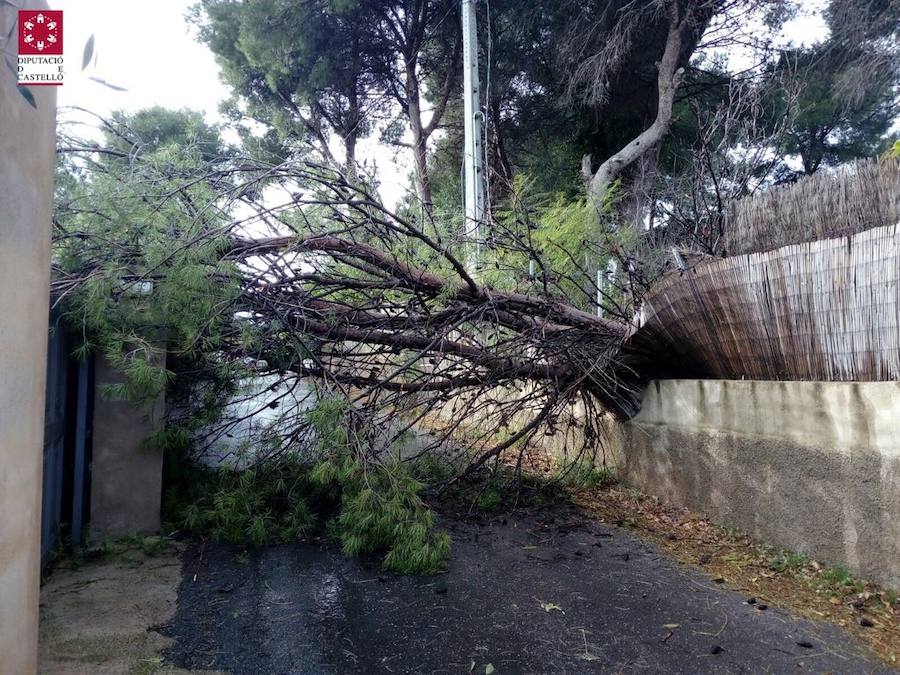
(810,466)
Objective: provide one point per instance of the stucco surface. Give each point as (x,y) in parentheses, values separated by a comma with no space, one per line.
(126,473)
(27,159)
(810,466)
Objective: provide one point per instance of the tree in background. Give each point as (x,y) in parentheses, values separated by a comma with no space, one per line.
(311,70)
(425,35)
(301,69)
(849,98)
(574,84)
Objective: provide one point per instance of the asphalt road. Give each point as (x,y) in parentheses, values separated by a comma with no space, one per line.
(536,593)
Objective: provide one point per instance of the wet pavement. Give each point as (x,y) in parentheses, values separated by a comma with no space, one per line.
(547,592)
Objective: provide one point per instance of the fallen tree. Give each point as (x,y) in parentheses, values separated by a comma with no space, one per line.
(318,279)
(240,270)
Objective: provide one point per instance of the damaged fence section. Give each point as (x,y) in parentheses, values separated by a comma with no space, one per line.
(822,310)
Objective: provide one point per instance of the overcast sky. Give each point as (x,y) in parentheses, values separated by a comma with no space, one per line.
(149,47)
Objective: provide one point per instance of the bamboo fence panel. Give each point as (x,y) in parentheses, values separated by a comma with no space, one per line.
(820,310)
(856,198)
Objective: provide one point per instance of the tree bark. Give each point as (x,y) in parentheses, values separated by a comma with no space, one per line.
(351,135)
(668,79)
(420,136)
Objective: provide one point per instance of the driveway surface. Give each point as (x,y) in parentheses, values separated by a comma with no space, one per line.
(545,592)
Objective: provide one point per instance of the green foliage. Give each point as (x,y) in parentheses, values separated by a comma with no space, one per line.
(489,500)
(839,579)
(563,228)
(368,509)
(571,236)
(280,56)
(586,474)
(846,101)
(110,548)
(503,489)
(252,506)
(149,130)
(151,546)
(433,469)
(327,417)
(140,230)
(787,560)
(381,508)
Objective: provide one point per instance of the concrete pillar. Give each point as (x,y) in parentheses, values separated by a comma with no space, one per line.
(126,475)
(27,159)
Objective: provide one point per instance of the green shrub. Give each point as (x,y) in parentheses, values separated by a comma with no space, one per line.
(586,474)
(433,468)
(787,560)
(253,506)
(490,500)
(838,578)
(372,508)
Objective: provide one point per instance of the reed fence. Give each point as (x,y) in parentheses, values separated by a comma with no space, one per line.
(856,198)
(820,310)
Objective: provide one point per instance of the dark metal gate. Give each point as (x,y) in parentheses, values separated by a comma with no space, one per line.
(66,444)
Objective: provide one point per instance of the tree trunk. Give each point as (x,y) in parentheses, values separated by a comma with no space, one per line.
(351,133)
(420,136)
(668,79)
(423,182)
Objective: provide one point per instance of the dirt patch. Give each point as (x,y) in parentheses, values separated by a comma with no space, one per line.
(767,575)
(97,617)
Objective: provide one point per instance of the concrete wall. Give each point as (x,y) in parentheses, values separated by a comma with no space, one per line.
(810,466)
(126,477)
(27,159)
